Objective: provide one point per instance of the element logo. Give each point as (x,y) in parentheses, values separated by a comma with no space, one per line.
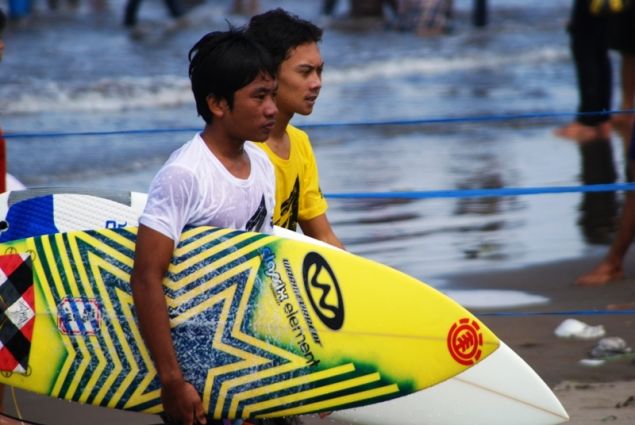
(329,310)
(465,341)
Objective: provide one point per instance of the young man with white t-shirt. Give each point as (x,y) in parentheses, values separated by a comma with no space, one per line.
(215,179)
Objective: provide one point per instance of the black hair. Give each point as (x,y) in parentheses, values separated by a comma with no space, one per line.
(223,62)
(3,21)
(280,32)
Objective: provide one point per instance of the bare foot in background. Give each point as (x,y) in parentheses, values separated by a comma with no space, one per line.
(584,133)
(601,275)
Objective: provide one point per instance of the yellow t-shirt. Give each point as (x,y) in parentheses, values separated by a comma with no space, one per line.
(298,193)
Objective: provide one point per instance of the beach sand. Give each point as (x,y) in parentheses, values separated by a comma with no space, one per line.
(591,395)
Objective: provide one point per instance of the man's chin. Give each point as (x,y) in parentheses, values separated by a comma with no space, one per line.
(306,111)
(262,137)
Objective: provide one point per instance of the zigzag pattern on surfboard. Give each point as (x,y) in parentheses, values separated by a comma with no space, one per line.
(216,274)
(267,378)
(102,366)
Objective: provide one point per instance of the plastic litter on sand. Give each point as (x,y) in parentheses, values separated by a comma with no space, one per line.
(608,349)
(575,329)
(610,346)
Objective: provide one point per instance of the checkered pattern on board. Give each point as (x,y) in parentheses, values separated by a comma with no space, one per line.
(17,311)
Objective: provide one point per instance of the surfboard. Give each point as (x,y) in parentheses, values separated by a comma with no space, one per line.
(13,183)
(263,326)
(498,387)
(47,210)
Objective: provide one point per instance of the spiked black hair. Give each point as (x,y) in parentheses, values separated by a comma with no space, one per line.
(223,62)
(280,32)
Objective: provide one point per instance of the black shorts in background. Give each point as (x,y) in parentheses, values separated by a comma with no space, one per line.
(622,31)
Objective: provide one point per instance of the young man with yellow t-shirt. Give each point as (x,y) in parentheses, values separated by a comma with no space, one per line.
(293,44)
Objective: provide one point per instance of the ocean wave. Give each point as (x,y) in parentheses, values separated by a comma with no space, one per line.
(103,95)
(169,91)
(440,65)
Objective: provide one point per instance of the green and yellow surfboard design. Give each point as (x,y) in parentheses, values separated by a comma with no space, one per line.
(262,325)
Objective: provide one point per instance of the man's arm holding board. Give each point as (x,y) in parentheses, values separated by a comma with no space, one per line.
(153,254)
(320,228)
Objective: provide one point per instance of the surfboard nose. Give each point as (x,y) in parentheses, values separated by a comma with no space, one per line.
(500,390)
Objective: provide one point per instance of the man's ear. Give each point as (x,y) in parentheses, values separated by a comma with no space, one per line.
(217,107)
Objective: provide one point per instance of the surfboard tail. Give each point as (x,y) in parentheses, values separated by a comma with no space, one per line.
(499,389)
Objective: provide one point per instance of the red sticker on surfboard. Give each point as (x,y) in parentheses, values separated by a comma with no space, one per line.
(17,312)
(465,340)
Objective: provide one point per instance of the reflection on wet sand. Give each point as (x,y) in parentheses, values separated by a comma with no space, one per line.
(598,210)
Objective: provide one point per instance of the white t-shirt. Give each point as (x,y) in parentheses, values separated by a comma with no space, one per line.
(193,188)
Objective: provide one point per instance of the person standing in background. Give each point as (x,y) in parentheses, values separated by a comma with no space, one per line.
(245,7)
(424,17)
(622,39)
(132,9)
(590,49)
(328,7)
(360,8)
(611,268)
(3,24)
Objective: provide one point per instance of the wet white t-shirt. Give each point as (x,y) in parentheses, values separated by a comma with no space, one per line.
(193,188)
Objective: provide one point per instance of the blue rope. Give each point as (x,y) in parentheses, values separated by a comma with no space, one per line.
(483,193)
(469,119)
(414,121)
(467,193)
(58,134)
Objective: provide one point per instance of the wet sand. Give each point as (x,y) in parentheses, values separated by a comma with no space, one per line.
(591,395)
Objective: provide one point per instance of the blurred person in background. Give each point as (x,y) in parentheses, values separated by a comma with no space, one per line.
(3,23)
(589,37)
(622,40)
(611,268)
(175,8)
(245,7)
(424,17)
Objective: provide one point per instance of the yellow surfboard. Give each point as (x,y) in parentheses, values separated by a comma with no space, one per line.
(93,352)
(263,325)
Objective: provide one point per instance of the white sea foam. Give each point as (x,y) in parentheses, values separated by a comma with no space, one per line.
(487,298)
(101,95)
(438,65)
(165,91)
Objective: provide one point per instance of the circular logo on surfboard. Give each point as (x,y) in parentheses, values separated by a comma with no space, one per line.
(465,340)
(320,284)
